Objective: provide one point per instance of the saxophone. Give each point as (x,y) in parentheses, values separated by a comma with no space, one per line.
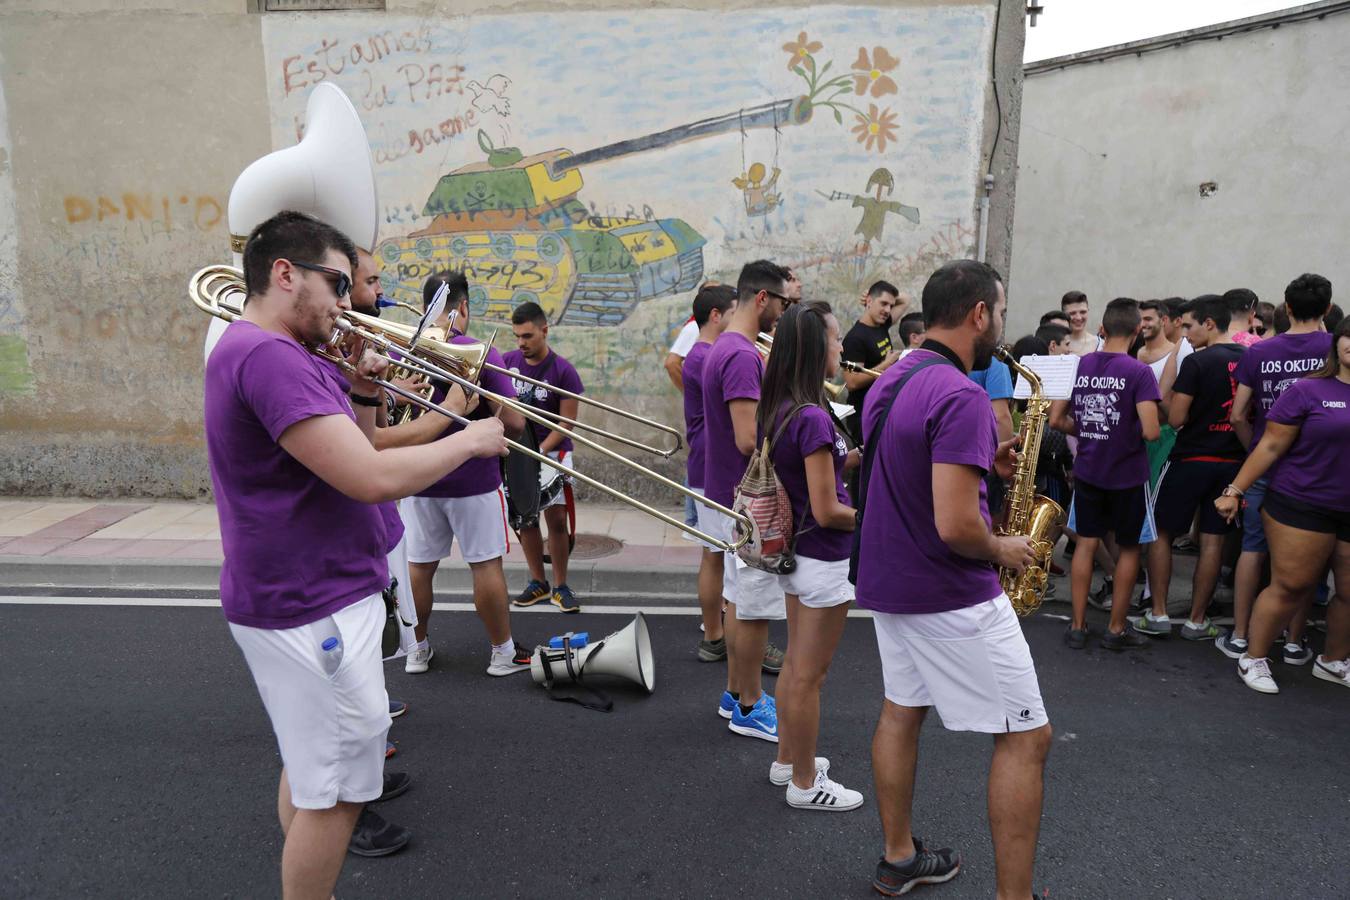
(1026,512)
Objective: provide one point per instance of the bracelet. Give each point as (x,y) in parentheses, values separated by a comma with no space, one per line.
(1234,492)
(363,400)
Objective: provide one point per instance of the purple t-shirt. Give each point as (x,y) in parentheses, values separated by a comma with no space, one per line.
(556,371)
(732,370)
(393,525)
(1271,365)
(940,417)
(480,474)
(1314,468)
(1106,394)
(808,431)
(692,374)
(296,549)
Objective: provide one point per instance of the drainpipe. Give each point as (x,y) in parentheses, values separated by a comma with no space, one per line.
(984,217)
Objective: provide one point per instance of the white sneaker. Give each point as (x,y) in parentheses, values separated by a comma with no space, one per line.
(418,660)
(781,773)
(1256,674)
(1337,672)
(516,660)
(825,795)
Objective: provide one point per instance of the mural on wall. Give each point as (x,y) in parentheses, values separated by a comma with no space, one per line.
(651,150)
(16,376)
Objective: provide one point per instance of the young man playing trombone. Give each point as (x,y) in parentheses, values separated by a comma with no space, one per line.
(466,504)
(295,479)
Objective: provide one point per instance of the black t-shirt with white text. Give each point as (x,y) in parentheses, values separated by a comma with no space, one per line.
(868,345)
(1207,376)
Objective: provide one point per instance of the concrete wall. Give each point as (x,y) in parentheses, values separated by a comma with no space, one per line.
(1114,152)
(123,125)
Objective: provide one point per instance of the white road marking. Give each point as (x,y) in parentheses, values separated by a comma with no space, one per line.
(208,602)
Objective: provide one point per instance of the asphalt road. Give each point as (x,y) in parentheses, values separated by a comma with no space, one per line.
(137,761)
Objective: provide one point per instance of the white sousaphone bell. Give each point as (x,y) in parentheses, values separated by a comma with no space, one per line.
(626,653)
(328,175)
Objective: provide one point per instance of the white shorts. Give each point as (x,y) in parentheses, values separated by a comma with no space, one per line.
(407,610)
(702,512)
(819,583)
(331,728)
(433,523)
(973,664)
(756,593)
(547,474)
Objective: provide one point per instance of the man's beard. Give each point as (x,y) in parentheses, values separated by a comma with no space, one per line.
(985,345)
(768,320)
(316,327)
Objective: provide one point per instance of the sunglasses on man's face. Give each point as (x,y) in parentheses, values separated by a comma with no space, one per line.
(786,301)
(341,281)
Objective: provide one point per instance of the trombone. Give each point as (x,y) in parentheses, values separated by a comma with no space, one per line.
(216,290)
(478,361)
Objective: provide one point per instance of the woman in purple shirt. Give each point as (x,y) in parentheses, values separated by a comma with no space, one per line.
(1306,513)
(809,457)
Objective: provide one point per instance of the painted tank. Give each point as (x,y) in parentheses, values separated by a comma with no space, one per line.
(514,224)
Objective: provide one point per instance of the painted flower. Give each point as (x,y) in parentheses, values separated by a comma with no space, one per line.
(877,127)
(800,51)
(870,74)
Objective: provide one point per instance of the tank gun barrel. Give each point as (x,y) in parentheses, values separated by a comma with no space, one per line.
(769,115)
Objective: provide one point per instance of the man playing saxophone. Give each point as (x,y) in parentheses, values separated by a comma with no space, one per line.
(946,631)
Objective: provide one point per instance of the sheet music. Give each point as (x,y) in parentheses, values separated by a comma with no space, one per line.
(1056,373)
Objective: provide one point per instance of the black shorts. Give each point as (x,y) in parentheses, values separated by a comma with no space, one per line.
(1296,513)
(1187,485)
(1097,511)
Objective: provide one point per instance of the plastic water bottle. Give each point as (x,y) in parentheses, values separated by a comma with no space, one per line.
(332,655)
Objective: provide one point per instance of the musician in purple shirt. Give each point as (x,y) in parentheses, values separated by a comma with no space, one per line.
(927,562)
(467,506)
(732,372)
(712,307)
(295,479)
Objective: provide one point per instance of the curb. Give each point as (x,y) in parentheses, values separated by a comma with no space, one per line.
(669,584)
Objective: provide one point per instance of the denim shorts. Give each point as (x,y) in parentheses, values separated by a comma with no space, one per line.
(1253,532)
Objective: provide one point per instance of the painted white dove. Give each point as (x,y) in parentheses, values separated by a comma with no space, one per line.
(492,96)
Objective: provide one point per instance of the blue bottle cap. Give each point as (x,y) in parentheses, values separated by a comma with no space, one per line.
(330,643)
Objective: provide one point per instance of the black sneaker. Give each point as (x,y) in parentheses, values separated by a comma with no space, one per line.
(1075,638)
(1102,597)
(533,593)
(712,651)
(395,783)
(1129,639)
(927,867)
(373,836)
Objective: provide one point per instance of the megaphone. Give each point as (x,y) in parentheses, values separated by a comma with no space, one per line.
(626,653)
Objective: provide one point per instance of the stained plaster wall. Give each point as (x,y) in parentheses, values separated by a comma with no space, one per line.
(1113,154)
(122,127)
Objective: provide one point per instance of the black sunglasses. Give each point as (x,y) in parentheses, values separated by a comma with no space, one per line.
(342,286)
(786,300)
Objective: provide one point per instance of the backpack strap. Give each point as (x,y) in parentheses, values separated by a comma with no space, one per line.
(869,457)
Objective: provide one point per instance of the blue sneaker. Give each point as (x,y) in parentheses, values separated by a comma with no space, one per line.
(762,722)
(727,705)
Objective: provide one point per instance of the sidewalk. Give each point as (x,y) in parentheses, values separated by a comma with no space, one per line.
(162,545)
(176,544)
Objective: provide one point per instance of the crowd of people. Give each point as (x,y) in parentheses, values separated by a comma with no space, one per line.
(1173,426)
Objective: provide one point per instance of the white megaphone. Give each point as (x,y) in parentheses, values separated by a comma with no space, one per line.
(626,653)
(328,175)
